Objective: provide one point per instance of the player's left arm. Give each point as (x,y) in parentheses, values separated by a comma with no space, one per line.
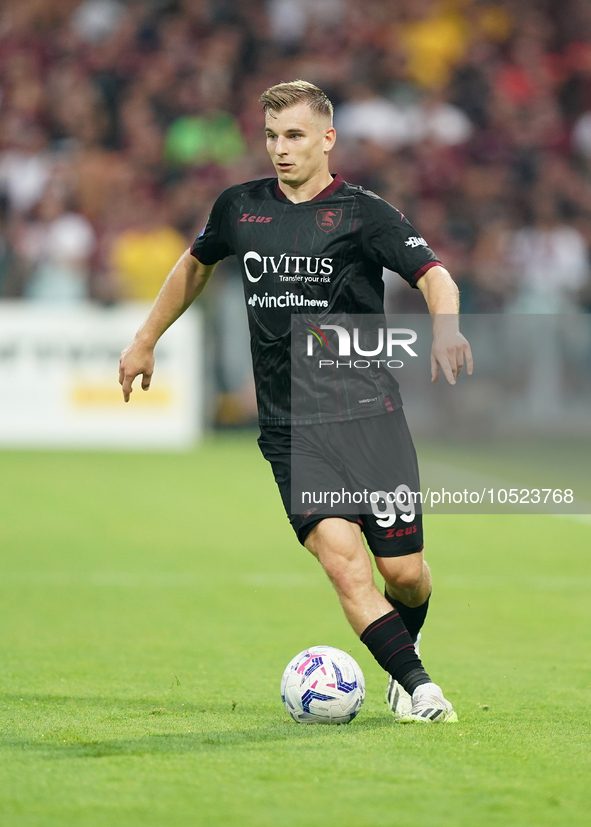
(450,350)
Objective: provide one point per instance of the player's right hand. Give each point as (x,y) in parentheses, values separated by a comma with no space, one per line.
(135,360)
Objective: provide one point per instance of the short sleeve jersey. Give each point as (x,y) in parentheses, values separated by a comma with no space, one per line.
(320,257)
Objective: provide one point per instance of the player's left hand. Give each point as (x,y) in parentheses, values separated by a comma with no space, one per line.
(135,360)
(450,352)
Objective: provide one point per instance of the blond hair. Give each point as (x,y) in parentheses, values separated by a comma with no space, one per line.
(284,95)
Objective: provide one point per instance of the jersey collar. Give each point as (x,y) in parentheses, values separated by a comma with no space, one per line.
(336,183)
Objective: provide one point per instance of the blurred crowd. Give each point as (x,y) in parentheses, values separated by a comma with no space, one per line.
(121,120)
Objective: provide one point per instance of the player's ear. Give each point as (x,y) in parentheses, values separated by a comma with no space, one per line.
(330,137)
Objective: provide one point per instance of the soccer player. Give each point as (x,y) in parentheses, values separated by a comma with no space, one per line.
(308,222)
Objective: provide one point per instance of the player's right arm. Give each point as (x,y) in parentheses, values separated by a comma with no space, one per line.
(184,283)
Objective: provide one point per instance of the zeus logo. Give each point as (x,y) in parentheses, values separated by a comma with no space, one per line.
(395,337)
(298,268)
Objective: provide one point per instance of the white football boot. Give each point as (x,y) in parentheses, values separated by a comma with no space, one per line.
(430,707)
(398,699)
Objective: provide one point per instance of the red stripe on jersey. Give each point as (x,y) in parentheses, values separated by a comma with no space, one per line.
(336,183)
(425,267)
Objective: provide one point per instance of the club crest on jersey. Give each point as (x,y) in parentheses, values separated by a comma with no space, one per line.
(328,220)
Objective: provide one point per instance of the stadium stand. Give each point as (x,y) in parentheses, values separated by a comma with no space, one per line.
(121,121)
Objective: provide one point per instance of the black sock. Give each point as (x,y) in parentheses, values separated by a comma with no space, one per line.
(388,640)
(413,618)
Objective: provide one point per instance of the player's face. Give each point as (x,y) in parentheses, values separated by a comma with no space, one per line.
(298,142)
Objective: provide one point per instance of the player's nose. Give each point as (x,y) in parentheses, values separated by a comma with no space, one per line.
(281,146)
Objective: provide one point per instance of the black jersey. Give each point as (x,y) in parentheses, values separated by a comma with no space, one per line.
(320,257)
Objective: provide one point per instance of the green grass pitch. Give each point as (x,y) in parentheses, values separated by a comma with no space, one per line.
(150,602)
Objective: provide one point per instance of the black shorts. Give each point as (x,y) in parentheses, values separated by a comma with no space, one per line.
(364,455)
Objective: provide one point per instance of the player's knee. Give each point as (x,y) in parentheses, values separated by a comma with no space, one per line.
(342,564)
(403,572)
(341,553)
(334,537)
(343,568)
(350,579)
(406,579)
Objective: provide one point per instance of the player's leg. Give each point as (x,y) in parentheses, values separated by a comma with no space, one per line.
(381,458)
(394,533)
(337,543)
(407,575)
(407,588)
(338,546)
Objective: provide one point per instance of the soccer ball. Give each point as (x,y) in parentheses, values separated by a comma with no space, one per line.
(322,685)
